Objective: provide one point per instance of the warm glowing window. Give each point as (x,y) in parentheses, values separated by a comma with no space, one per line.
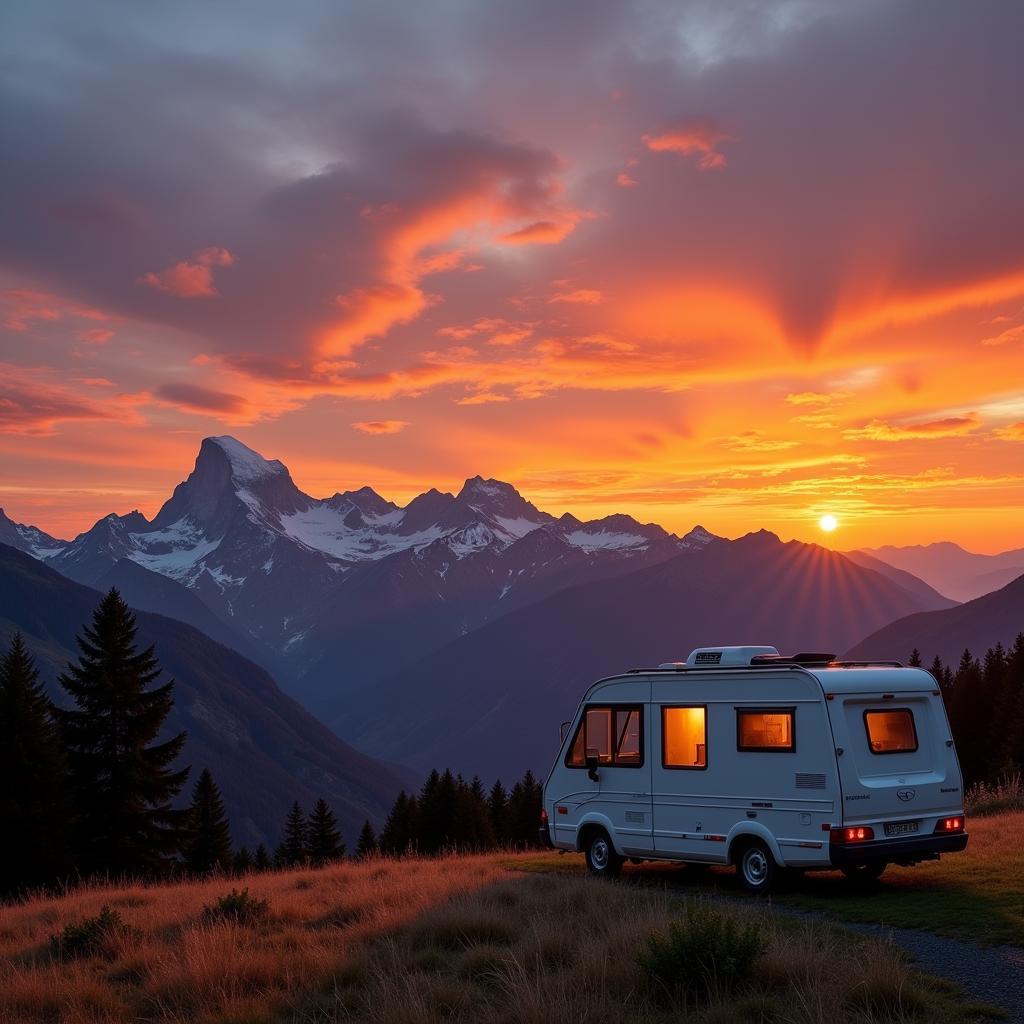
(765,729)
(891,731)
(611,734)
(684,737)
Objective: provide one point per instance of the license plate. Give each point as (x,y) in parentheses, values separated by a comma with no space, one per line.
(901,828)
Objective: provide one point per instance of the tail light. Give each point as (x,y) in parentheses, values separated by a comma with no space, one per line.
(956,824)
(853,834)
(543,818)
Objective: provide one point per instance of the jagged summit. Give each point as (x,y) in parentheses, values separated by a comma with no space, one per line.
(246,465)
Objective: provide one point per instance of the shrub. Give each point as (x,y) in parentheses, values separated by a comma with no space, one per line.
(91,937)
(1005,794)
(237,906)
(707,953)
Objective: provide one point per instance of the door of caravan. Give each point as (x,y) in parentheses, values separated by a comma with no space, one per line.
(616,735)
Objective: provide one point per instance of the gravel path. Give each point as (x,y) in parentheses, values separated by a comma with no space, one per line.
(989,975)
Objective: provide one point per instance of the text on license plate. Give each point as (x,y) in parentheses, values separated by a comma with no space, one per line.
(901,828)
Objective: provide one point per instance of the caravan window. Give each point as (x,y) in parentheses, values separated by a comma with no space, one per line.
(766,729)
(614,734)
(684,737)
(891,731)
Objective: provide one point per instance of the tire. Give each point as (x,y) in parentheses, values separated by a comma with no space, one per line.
(866,873)
(602,860)
(756,868)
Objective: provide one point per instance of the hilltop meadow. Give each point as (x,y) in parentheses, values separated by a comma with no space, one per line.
(498,937)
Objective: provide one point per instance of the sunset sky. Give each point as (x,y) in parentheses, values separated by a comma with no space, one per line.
(738,263)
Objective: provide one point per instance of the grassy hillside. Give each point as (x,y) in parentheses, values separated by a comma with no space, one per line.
(466,939)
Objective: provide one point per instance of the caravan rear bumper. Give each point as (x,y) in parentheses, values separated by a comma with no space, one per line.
(903,850)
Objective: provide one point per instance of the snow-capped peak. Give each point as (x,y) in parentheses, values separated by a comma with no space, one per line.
(246,465)
(698,537)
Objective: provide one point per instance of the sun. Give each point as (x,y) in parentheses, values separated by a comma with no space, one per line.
(828,523)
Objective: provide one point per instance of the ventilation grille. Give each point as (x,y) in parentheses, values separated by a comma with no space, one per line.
(635,817)
(708,658)
(810,780)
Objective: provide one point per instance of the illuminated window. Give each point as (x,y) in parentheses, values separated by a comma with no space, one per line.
(611,734)
(891,731)
(684,737)
(766,729)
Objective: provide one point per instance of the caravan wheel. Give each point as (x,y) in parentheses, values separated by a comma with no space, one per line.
(602,860)
(757,868)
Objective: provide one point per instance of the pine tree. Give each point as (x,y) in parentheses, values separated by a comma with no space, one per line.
(123,783)
(399,834)
(497,806)
(524,804)
(34,797)
(261,859)
(323,840)
(367,845)
(242,862)
(915,658)
(477,831)
(208,846)
(292,850)
(968,714)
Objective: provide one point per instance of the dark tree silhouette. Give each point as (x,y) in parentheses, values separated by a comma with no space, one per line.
(399,834)
(292,850)
(261,859)
(497,806)
(123,783)
(208,846)
(34,799)
(367,844)
(242,862)
(323,840)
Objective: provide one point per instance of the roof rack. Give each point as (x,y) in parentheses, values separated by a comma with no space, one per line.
(805,659)
(866,664)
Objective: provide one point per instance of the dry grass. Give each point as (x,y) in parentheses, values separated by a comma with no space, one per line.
(1000,797)
(555,949)
(174,963)
(456,939)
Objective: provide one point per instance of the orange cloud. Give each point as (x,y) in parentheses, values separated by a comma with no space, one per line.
(696,136)
(1013,432)
(542,232)
(585,296)
(190,279)
(950,426)
(381,426)
(194,398)
(624,180)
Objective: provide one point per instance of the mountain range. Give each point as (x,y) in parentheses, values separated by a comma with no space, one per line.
(455,629)
(959,574)
(263,748)
(976,626)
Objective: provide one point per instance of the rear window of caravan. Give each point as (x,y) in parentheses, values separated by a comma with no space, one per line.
(612,733)
(891,731)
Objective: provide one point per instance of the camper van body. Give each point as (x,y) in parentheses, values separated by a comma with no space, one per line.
(739,756)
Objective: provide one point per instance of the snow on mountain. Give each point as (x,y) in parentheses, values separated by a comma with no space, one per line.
(317,581)
(29,539)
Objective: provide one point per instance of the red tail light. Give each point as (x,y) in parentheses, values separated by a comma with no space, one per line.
(543,818)
(853,834)
(951,825)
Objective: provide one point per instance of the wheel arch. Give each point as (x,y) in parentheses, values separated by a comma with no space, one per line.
(743,832)
(592,823)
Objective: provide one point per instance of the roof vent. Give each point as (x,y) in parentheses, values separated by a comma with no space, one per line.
(725,657)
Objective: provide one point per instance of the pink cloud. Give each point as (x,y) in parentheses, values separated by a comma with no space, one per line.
(580,296)
(697,136)
(190,279)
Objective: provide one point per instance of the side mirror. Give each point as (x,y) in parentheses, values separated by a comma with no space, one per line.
(592,763)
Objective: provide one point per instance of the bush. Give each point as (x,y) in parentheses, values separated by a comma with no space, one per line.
(1005,794)
(237,906)
(708,953)
(91,937)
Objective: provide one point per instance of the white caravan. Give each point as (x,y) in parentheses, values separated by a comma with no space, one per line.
(741,756)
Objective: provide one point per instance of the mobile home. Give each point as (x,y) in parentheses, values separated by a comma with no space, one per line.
(742,756)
